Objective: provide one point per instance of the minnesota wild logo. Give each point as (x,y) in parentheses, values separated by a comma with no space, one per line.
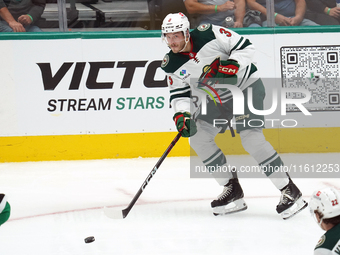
(203,27)
(165,61)
(321,241)
(206,81)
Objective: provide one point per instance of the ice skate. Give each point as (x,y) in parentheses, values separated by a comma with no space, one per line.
(291,201)
(230,200)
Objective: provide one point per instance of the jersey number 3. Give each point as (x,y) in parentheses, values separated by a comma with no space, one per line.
(223,31)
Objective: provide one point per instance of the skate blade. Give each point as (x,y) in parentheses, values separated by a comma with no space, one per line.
(297,207)
(239,205)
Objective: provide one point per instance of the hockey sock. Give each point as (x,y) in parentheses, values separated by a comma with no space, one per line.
(203,142)
(262,151)
(218,167)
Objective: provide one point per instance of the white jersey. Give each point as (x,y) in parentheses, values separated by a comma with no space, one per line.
(208,43)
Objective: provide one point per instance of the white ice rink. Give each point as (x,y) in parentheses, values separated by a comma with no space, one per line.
(55,205)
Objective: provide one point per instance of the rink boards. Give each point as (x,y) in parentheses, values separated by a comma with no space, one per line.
(74,147)
(103,95)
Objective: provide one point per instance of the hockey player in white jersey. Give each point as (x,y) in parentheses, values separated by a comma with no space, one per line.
(206,53)
(325,208)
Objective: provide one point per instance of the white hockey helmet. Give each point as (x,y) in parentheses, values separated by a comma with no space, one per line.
(326,201)
(176,22)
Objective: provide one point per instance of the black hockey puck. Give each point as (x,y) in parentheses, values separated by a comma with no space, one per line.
(89,239)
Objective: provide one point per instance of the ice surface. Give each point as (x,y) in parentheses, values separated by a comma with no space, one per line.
(56,205)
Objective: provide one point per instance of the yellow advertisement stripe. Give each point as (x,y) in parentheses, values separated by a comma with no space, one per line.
(81,147)
(289,140)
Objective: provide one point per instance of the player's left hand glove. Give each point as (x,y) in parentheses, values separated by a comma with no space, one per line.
(184,124)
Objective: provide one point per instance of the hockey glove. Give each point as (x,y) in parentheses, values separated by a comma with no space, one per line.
(184,124)
(223,72)
(227,71)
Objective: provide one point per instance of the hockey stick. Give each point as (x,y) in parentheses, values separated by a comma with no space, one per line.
(121,214)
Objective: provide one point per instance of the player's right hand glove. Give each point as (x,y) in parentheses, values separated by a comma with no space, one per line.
(184,124)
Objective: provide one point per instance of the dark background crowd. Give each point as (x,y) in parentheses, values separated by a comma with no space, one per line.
(107,15)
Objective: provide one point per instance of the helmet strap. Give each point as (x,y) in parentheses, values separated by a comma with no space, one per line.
(185,45)
(187,39)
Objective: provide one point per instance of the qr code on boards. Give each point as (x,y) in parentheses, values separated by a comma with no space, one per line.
(315,68)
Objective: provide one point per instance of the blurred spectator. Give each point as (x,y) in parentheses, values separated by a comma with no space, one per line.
(20,15)
(323,12)
(287,12)
(216,12)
